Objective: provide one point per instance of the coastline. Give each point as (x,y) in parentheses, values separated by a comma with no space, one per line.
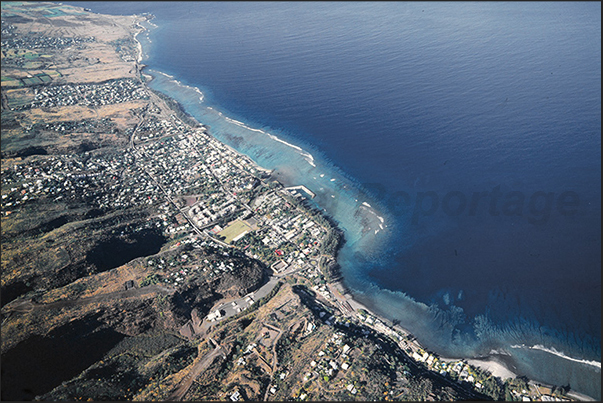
(496,368)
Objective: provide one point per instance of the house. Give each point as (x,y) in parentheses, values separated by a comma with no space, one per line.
(279,266)
(218,313)
(235,396)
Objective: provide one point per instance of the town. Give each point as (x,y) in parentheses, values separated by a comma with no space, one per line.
(209,196)
(218,212)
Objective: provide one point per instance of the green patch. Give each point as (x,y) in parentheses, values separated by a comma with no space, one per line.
(24,53)
(31,55)
(11,82)
(151,279)
(235,230)
(53,12)
(32,65)
(32,80)
(53,73)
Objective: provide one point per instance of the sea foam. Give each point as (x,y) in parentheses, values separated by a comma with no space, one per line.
(552,350)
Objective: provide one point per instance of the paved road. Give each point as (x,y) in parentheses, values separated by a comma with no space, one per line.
(232,307)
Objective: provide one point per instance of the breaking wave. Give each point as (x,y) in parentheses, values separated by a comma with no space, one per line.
(552,350)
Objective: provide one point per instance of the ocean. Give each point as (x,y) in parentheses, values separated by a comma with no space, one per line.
(458,145)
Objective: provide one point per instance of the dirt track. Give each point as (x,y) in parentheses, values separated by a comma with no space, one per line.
(178,393)
(28,305)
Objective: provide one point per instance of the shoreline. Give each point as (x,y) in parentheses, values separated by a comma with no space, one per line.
(496,368)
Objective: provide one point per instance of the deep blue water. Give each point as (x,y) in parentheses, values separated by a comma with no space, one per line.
(406,103)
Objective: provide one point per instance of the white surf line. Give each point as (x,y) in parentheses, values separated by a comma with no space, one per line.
(179,83)
(308,157)
(370,209)
(163,74)
(559,354)
(198,91)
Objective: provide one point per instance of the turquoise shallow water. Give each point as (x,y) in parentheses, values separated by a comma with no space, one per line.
(398,100)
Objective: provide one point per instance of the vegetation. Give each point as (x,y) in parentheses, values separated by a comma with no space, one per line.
(331,242)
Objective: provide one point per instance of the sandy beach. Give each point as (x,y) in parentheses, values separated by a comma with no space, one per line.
(496,368)
(140,30)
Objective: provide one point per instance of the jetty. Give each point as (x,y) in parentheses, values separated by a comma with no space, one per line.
(303,188)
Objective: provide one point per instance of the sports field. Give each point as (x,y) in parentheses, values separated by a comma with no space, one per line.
(234,229)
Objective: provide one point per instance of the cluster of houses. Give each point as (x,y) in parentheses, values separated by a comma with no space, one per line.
(236,172)
(94,181)
(111,92)
(177,168)
(100,181)
(193,163)
(336,358)
(174,268)
(205,213)
(7,30)
(282,223)
(156,126)
(80,126)
(12,41)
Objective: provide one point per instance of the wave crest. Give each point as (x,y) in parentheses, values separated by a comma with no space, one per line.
(552,350)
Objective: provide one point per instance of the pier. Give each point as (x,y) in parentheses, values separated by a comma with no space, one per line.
(302,187)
